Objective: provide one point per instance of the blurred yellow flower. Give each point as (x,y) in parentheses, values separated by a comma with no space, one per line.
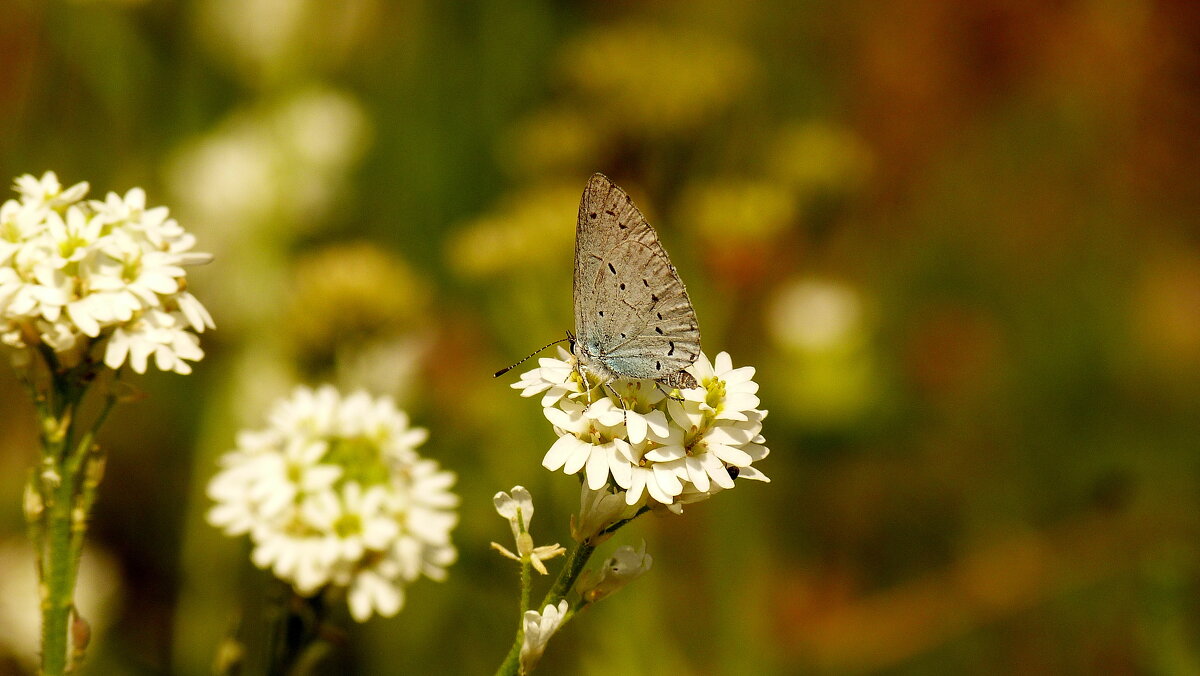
(351,295)
(817,157)
(267,41)
(654,81)
(534,227)
(815,315)
(821,326)
(726,211)
(556,140)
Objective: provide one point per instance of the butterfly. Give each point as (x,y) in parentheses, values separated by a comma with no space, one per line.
(633,318)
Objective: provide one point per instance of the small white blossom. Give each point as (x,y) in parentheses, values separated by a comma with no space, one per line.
(628,435)
(624,566)
(76,274)
(333,492)
(518,509)
(539,627)
(598,510)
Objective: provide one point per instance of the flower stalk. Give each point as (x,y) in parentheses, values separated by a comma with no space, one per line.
(294,643)
(59,500)
(86,287)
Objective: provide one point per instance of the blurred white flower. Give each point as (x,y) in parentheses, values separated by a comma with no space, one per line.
(333,492)
(628,435)
(539,627)
(47,192)
(815,314)
(624,566)
(76,273)
(518,509)
(98,597)
(278,165)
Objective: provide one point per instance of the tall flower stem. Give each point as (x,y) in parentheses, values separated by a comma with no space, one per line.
(62,491)
(293,642)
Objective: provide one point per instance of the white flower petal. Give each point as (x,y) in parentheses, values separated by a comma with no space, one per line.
(597,467)
(560,451)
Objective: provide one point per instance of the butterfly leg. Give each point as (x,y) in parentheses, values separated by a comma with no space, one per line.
(620,401)
(667,392)
(587,386)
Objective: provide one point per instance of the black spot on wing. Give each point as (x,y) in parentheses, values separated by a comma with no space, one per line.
(612,269)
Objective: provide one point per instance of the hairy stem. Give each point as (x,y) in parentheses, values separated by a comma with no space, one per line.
(58,567)
(65,484)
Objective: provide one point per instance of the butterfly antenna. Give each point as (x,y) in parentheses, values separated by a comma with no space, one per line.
(506,369)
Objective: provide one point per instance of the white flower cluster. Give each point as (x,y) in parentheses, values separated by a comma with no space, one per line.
(76,272)
(629,435)
(333,492)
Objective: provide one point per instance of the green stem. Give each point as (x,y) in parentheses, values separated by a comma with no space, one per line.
(514,652)
(58,568)
(294,644)
(67,485)
(613,528)
(576,560)
(526,590)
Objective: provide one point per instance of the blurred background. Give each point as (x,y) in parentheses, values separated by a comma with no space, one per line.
(960,241)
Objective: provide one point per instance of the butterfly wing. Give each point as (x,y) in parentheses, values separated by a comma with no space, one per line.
(632,312)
